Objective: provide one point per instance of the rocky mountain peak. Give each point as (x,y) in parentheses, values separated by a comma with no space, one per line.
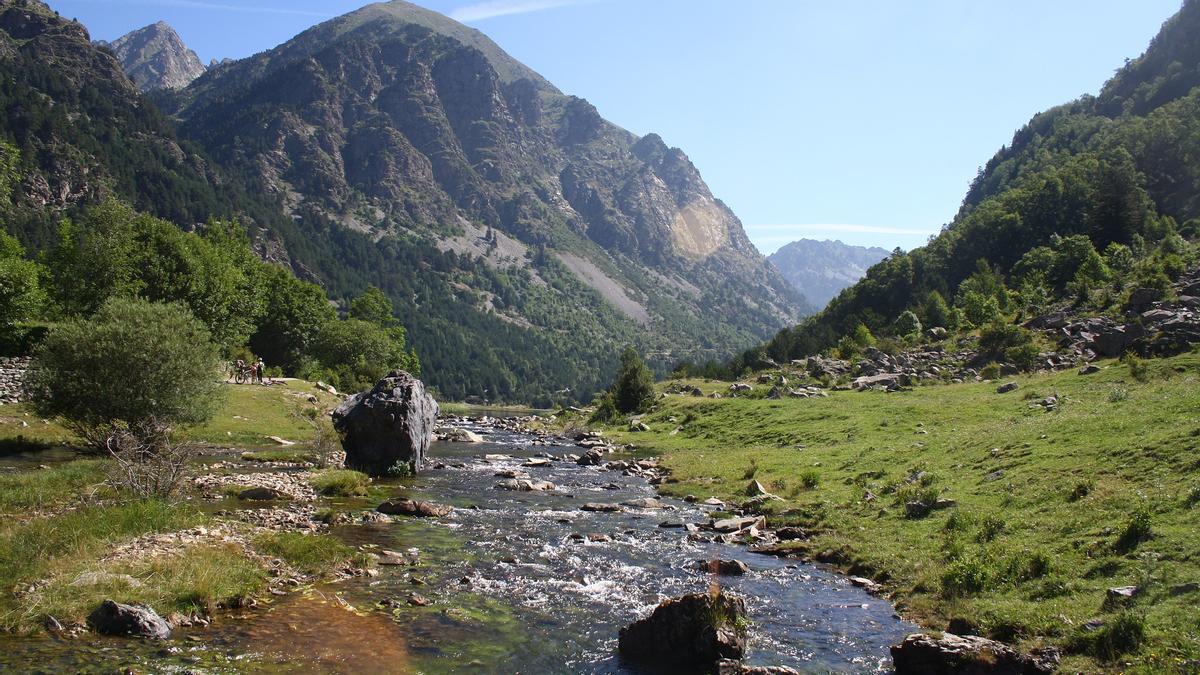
(155,57)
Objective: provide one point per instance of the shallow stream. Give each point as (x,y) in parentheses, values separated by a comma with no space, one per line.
(512,589)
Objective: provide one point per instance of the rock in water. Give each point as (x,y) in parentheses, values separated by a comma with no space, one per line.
(113,618)
(955,654)
(409,507)
(693,631)
(388,428)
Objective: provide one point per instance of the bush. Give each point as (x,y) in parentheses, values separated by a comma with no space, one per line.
(965,576)
(1124,634)
(810,478)
(990,372)
(1082,489)
(124,380)
(1024,357)
(991,528)
(1137,530)
(997,338)
(341,483)
(20,294)
(633,390)
(1138,368)
(907,324)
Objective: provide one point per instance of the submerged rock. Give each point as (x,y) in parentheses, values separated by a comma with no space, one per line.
(409,507)
(113,618)
(389,427)
(965,654)
(694,631)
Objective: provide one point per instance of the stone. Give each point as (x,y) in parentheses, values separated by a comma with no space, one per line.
(1120,596)
(389,426)
(262,494)
(645,503)
(601,508)
(590,458)
(525,485)
(409,507)
(458,435)
(281,441)
(735,667)
(1007,387)
(866,584)
(721,567)
(113,618)
(791,533)
(736,524)
(756,489)
(922,654)
(1089,369)
(693,632)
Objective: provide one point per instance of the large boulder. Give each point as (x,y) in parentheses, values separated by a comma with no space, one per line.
(387,429)
(113,618)
(411,507)
(967,655)
(694,632)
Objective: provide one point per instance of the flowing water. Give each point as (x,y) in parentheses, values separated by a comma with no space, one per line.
(512,587)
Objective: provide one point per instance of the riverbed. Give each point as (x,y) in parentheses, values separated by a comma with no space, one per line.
(515,582)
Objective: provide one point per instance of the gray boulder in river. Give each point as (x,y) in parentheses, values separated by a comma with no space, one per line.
(387,429)
(690,632)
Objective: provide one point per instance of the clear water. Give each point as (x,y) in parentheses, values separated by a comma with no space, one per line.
(511,590)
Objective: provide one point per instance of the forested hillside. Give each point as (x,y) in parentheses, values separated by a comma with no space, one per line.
(1118,169)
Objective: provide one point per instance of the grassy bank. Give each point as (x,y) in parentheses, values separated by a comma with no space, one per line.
(1050,510)
(60,524)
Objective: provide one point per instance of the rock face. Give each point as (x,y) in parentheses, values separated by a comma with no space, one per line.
(12,378)
(694,631)
(113,618)
(155,57)
(388,427)
(821,269)
(921,654)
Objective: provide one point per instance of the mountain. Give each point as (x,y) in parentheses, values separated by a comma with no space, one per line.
(1112,174)
(821,269)
(155,57)
(523,239)
(562,235)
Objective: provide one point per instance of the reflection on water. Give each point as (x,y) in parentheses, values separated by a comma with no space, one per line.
(515,585)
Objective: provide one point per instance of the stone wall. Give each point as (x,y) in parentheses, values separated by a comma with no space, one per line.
(12,374)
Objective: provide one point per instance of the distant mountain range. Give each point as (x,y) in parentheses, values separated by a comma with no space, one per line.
(155,57)
(821,269)
(523,239)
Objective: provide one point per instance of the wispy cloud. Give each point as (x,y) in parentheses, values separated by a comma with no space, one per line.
(251,7)
(839,227)
(490,9)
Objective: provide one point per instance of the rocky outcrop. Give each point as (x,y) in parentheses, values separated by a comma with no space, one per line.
(694,632)
(155,57)
(113,618)
(922,654)
(387,429)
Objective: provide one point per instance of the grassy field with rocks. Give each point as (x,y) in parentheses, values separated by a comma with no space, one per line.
(982,512)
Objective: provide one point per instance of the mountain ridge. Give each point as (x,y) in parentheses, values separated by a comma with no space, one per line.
(820,269)
(155,57)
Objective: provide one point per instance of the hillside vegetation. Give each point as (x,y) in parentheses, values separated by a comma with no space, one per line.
(1115,170)
(1047,510)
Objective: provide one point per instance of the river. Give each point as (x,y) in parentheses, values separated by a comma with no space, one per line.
(515,584)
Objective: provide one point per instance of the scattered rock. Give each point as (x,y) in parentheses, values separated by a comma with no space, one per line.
(724,567)
(646,503)
(602,508)
(694,631)
(735,667)
(791,533)
(1089,369)
(263,494)
(866,584)
(409,507)
(736,524)
(525,485)
(113,618)
(921,654)
(590,458)
(1007,387)
(387,427)
(458,435)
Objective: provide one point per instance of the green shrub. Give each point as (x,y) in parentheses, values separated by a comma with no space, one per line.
(1138,368)
(1137,530)
(810,478)
(991,528)
(1037,565)
(1082,489)
(750,471)
(1024,357)
(907,324)
(341,483)
(1193,497)
(139,366)
(997,338)
(990,372)
(966,576)
(1123,634)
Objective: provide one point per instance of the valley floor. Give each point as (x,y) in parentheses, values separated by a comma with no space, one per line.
(978,511)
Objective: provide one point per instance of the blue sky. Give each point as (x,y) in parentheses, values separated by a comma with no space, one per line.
(862,121)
